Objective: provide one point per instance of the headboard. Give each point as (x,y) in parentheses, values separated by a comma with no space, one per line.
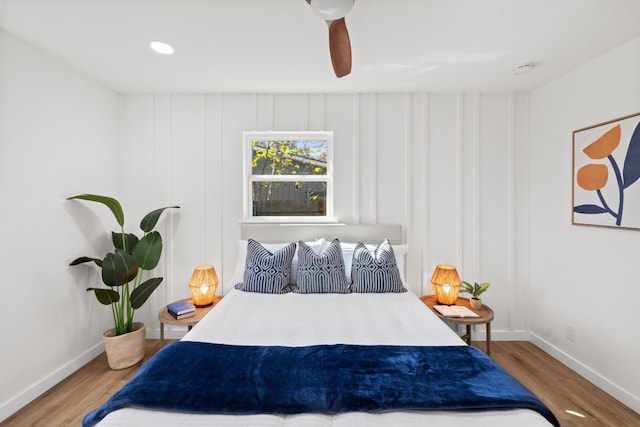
(366,233)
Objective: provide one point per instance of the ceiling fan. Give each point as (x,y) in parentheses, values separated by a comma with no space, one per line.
(333,12)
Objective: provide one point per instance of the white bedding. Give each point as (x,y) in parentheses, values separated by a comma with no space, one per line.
(302,319)
(244,318)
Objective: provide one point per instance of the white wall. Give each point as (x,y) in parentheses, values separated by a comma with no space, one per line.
(573,268)
(57,138)
(446,166)
(476,180)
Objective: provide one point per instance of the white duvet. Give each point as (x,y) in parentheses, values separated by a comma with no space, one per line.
(243,318)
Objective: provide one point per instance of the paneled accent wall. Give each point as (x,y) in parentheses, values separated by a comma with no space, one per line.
(448,167)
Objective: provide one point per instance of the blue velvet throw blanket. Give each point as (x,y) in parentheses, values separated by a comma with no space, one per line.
(205,378)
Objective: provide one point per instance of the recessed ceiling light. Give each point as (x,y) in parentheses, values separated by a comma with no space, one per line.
(161,47)
(523,69)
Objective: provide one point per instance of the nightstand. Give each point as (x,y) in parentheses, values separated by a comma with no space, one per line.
(485,312)
(166,318)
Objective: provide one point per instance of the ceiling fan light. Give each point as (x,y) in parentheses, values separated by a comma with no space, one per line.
(161,47)
(330,10)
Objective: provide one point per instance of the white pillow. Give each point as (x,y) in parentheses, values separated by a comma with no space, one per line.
(347,253)
(238,274)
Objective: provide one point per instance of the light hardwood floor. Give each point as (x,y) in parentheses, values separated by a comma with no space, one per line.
(573,400)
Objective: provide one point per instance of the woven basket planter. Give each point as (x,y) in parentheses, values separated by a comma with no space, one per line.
(125,350)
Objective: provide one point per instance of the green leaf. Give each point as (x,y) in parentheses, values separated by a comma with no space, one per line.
(140,294)
(151,219)
(467,287)
(476,289)
(118,268)
(105,296)
(84,259)
(483,287)
(131,240)
(148,250)
(109,202)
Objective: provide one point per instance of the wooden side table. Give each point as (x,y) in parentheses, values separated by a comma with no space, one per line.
(166,318)
(485,312)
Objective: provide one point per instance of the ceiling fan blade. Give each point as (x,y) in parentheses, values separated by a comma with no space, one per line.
(340,47)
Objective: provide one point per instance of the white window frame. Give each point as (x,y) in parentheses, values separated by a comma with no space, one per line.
(249,178)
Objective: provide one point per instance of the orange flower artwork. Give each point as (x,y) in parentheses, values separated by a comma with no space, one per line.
(601,144)
(604,145)
(593,176)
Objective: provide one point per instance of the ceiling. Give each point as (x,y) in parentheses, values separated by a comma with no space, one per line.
(280,46)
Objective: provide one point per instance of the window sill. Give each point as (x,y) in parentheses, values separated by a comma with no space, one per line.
(289,221)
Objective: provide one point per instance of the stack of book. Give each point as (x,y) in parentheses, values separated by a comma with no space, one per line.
(181,309)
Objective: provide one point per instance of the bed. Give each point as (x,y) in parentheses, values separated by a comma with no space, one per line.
(377,356)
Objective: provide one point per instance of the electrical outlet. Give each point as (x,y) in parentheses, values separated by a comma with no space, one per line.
(570,332)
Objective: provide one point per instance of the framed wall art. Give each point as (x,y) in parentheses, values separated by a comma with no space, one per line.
(606,169)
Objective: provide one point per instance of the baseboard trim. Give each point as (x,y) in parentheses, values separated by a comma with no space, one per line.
(595,378)
(25,397)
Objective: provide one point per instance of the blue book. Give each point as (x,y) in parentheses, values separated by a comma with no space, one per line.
(179,308)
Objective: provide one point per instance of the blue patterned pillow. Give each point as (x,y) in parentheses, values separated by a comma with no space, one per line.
(320,274)
(267,272)
(375,271)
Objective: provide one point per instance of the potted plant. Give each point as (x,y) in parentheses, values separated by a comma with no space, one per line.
(122,272)
(475,290)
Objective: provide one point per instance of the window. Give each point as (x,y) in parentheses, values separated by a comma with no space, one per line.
(288,176)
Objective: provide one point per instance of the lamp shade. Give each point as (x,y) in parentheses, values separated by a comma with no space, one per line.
(331,10)
(203,285)
(446,284)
